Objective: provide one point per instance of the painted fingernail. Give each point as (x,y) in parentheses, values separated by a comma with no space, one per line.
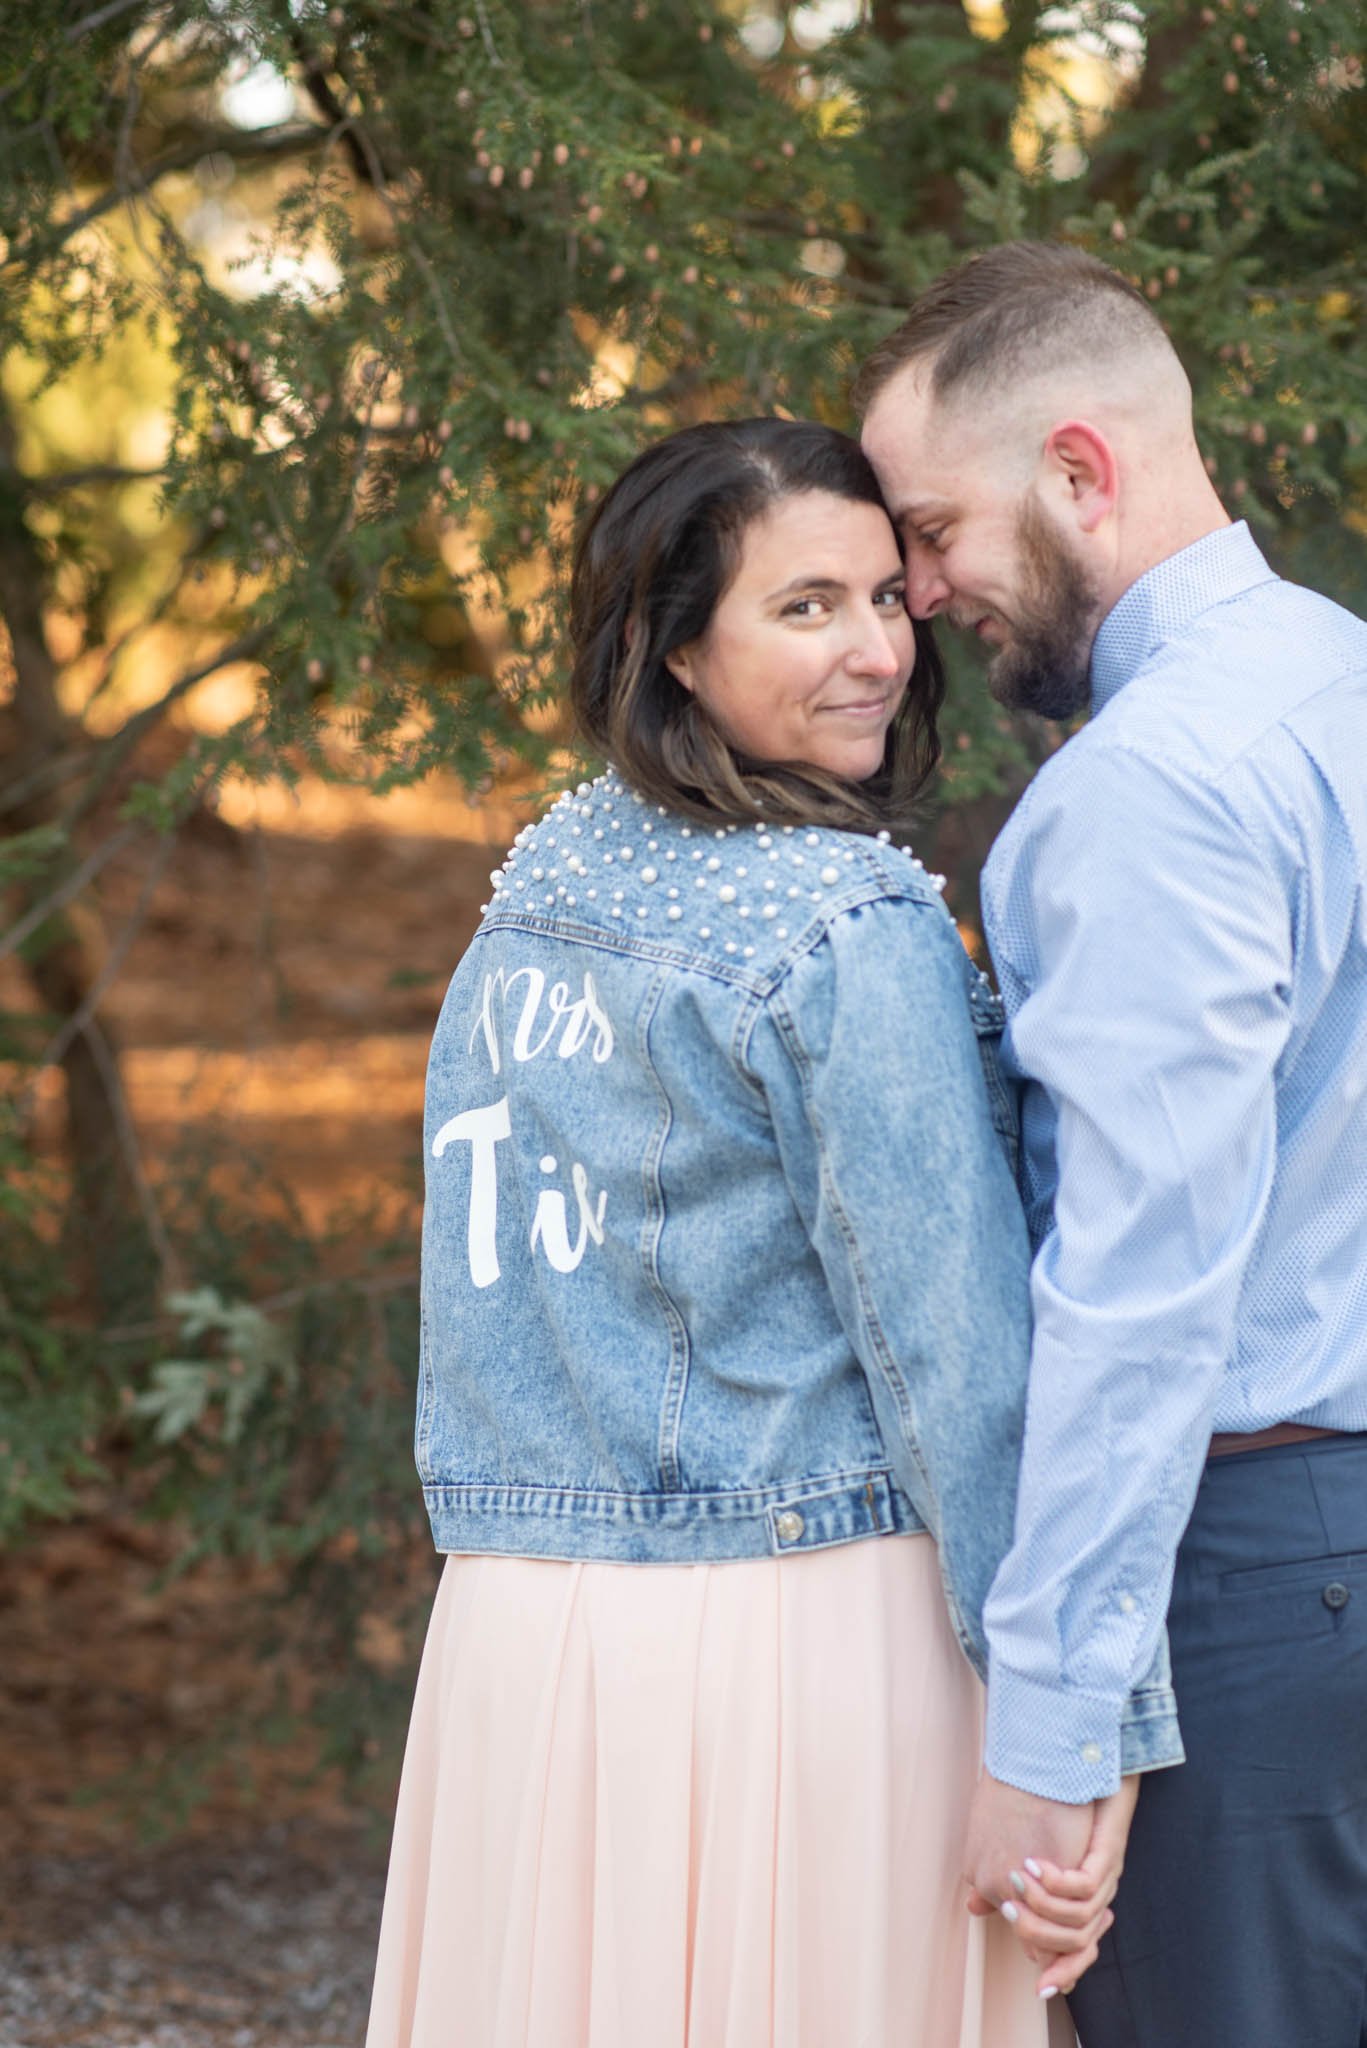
(1035,1869)
(1018,1883)
(1049,1991)
(1011,1913)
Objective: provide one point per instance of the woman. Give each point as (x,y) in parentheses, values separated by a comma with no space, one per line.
(724,1332)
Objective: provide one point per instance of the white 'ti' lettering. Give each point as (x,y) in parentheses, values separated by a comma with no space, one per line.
(483,1128)
(550,1225)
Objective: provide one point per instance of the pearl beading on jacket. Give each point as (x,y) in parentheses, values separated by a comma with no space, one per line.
(603,850)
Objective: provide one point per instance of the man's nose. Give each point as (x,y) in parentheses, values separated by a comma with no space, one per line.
(927,590)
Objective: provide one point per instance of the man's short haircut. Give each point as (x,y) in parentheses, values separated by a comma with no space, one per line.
(1008,313)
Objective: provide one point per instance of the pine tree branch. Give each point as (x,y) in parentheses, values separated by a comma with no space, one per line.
(100,19)
(774,222)
(151,618)
(66,890)
(124,160)
(75,1024)
(119,744)
(371,169)
(364,160)
(268,145)
(95,473)
(48,774)
(57,769)
(487,35)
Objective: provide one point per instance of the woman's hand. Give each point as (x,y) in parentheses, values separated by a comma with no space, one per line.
(1057,1904)
(1061,1915)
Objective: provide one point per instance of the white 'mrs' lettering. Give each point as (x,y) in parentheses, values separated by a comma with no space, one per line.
(577,1018)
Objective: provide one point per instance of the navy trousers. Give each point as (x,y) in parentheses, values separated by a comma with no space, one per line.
(1241,1920)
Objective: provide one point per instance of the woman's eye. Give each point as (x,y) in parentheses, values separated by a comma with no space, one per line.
(803,608)
(892,600)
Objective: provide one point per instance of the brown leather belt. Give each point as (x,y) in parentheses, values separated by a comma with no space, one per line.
(1226,1445)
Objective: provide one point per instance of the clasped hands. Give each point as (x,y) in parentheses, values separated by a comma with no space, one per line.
(1050,1870)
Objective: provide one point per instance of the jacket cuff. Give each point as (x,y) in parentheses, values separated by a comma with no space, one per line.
(1073,1746)
(1150,1738)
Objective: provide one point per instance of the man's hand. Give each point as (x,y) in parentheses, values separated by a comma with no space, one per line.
(1056,1895)
(1007,1827)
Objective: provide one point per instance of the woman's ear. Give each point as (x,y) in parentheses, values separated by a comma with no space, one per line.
(680,662)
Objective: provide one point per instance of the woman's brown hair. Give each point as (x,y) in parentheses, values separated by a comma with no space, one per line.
(650,568)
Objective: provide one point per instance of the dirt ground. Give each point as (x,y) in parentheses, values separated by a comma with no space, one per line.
(248,1920)
(259,1939)
(280,991)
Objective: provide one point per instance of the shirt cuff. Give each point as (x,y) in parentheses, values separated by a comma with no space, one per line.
(1058,1745)
(1073,1746)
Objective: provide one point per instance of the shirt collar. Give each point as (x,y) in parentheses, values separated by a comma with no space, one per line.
(1169,596)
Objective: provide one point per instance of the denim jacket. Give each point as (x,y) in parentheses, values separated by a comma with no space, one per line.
(722,1251)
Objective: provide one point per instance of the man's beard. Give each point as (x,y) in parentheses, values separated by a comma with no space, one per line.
(1045,667)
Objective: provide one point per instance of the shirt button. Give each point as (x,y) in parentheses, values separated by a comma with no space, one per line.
(1336,1594)
(1091,1752)
(1127,1603)
(789,1525)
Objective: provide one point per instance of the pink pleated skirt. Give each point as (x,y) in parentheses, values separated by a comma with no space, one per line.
(694,1806)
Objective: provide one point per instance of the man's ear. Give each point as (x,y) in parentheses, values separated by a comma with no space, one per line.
(1084,463)
(682,665)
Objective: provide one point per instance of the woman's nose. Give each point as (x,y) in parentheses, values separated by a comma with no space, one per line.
(878,651)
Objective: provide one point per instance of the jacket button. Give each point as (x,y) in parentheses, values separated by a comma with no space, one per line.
(1336,1594)
(789,1526)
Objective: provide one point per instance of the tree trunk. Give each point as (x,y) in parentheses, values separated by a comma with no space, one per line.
(1118,169)
(106,1227)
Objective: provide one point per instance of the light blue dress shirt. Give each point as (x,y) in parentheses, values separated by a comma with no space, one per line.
(1177,910)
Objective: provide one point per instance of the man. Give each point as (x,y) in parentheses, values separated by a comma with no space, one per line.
(1177,910)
